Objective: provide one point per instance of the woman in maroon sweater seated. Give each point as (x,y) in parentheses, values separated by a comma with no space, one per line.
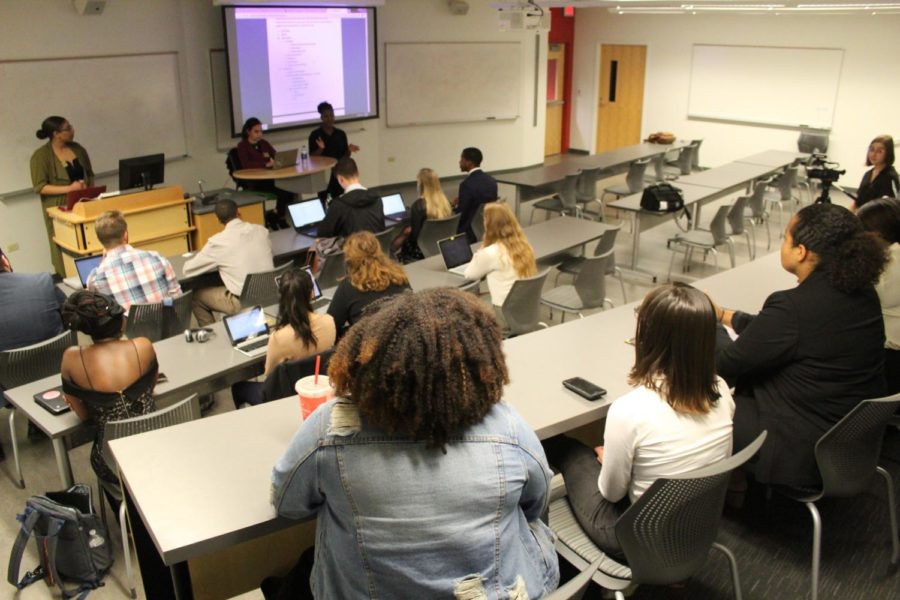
(256,153)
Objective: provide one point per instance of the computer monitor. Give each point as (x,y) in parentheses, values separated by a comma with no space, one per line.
(141,171)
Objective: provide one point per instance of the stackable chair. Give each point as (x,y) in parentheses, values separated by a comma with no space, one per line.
(564,202)
(586,189)
(575,588)
(157,321)
(666,535)
(706,240)
(756,213)
(261,289)
(434,230)
(522,308)
(587,291)
(607,242)
(657,170)
(478,222)
(634,181)
(847,456)
(782,194)
(333,270)
(684,164)
(737,223)
(181,412)
(280,382)
(386,237)
(24,365)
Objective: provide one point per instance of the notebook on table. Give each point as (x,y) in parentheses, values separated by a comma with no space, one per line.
(305,216)
(394,209)
(83,266)
(248,331)
(456,252)
(76,196)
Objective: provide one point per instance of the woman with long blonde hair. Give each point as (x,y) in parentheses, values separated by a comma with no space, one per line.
(370,276)
(431,204)
(505,255)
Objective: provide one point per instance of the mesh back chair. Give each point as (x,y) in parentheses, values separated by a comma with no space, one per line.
(685,162)
(434,230)
(847,456)
(333,270)
(157,321)
(24,365)
(634,181)
(563,202)
(586,188)
(261,289)
(666,535)
(695,156)
(587,291)
(478,221)
(755,213)
(280,382)
(522,308)
(737,224)
(181,412)
(607,242)
(783,193)
(574,588)
(657,169)
(706,240)
(385,239)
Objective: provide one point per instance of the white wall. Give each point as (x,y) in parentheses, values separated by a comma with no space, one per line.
(868,94)
(52,28)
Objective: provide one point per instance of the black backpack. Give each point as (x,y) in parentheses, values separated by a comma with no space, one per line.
(71,539)
(662,197)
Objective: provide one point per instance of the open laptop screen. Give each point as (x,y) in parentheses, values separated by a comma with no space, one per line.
(246,325)
(393,204)
(455,250)
(306,213)
(317,293)
(85,265)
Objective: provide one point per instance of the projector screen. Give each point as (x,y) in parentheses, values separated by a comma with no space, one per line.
(284,61)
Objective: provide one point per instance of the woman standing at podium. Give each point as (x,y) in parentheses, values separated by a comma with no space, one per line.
(58,167)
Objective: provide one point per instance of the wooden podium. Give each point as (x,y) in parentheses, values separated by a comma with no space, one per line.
(157,220)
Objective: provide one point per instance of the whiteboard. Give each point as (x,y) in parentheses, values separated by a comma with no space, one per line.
(775,86)
(120,106)
(452,82)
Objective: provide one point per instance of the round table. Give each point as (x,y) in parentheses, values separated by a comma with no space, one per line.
(307,177)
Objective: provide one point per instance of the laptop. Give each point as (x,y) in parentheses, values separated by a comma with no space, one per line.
(84,266)
(76,196)
(248,331)
(394,209)
(317,292)
(286,158)
(306,215)
(456,252)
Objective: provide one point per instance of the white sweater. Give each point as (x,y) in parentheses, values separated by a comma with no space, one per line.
(645,440)
(889,294)
(494,262)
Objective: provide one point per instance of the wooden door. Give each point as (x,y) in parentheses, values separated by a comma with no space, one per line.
(621,97)
(556,64)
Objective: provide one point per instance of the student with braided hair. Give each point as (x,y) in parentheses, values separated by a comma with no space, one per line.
(111,379)
(424,483)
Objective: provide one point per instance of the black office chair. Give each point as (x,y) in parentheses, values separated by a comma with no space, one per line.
(233,163)
(280,382)
(261,288)
(157,321)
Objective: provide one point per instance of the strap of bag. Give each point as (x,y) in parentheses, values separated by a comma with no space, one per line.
(49,558)
(28,519)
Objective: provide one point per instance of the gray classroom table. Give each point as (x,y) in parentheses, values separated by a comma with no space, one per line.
(733,175)
(774,158)
(615,160)
(537,181)
(190,368)
(240,447)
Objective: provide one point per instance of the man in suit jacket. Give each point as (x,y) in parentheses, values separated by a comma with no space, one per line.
(357,209)
(476,189)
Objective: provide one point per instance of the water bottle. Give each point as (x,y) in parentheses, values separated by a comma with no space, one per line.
(304,155)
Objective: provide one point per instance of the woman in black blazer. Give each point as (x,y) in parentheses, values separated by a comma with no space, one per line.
(814,351)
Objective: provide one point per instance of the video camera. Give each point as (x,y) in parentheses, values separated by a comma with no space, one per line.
(819,167)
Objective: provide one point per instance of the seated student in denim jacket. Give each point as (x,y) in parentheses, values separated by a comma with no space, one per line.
(424,484)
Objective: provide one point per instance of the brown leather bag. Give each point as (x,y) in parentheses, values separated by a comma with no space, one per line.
(661,137)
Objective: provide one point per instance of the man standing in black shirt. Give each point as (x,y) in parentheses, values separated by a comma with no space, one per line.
(330,141)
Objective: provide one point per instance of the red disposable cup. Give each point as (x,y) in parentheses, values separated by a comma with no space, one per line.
(313,394)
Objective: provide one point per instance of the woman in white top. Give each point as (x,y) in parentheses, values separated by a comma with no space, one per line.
(882,218)
(505,254)
(677,419)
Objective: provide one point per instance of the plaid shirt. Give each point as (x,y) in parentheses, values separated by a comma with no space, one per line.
(134,276)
